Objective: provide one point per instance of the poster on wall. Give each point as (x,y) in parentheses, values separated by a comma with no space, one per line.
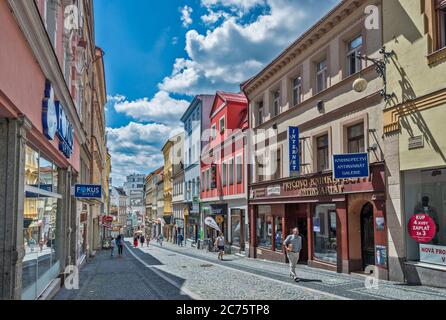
(316,224)
(381,256)
(380,223)
(433,254)
(422,228)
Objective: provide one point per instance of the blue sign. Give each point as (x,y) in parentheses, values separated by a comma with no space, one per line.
(354,165)
(55,122)
(88,191)
(293,139)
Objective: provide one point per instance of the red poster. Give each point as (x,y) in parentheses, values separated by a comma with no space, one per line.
(422,228)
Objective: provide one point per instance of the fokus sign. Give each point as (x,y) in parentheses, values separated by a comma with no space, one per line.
(55,121)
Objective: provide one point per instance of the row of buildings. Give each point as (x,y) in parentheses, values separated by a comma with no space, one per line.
(52,137)
(369,78)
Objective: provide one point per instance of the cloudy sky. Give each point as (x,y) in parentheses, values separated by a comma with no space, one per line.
(159,54)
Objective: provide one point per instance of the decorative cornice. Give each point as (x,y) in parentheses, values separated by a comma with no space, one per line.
(30,22)
(437,57)
(392,115)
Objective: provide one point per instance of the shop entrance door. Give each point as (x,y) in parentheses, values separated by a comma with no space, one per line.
(367,236)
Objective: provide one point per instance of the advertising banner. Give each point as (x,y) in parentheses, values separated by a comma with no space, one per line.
(433,254)
(293,140)
(209,221)
(421,228)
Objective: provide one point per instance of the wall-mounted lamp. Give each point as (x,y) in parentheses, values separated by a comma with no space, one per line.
(373,147)
(320,106)
(360,84)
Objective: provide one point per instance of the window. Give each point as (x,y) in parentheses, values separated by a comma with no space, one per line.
(355,137)
(221,124)
(324,230)
(260,113)
(208,181)
(278,228)
(264,229)
(441,18)
(277,170)
(239,168)
(231,171)
(354,49)
(236,226)
(297,90)
(213,132)
(322,153)
(51,7)
(223,174)
(321,76)
(260,169)
(276,102)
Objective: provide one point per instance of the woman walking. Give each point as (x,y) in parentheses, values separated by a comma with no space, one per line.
(142,239)
(220,244)
(135,242)
(112,246)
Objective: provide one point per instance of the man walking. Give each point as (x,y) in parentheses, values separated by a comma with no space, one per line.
(293,245)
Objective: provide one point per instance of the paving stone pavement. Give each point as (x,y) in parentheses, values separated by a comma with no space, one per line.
(172,272)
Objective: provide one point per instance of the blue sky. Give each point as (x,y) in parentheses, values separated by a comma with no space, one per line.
(159,54)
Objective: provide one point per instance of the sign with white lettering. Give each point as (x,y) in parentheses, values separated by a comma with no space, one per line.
(421,228)
(49,114)
(293,140)
(87,191)
(433,254)
(273,190)
(353,165)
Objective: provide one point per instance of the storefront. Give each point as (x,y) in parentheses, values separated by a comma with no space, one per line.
(342,221)
(219,212)
(425,232)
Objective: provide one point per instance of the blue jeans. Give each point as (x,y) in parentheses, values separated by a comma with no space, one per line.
(112,250)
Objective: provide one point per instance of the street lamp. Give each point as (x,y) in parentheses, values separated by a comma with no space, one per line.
(360,84)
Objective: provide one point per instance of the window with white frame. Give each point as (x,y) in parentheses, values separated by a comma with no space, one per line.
(441,16)
(213,132)
(231,171)
(224,173)
(260,113)
(276,102)
(354,50)
(355,138)
(322,147)
(321,75)
(239,168)
(297,90)
(222,124)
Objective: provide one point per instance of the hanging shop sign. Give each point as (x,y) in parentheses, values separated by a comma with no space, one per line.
(422,228)
(88,191)
(55,122)
(433,254)
(293,140)
(209,221)
(349,166)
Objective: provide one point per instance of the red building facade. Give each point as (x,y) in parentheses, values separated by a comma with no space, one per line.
(223,170)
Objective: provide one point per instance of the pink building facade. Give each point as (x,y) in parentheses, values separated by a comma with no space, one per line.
(40,143)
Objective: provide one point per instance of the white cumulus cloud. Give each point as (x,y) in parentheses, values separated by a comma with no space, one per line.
(186,18)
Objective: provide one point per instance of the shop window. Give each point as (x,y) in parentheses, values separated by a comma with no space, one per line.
(322,153)
(278,233)
(353,50)
(321,76)
(236,226)
(40,263)
(297,90)
(265,230)
(355,138)
(425,193)
(324,230)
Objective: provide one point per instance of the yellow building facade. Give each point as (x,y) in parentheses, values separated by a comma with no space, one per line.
(414,129)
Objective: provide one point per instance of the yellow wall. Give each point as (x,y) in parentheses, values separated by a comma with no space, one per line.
(411,78)
(167,178)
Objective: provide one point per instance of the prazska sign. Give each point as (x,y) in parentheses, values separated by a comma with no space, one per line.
(422,228)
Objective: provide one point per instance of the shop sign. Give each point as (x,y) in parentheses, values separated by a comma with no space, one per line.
(209,221)
(433,254)
(273,191)
(55,122)
(107,219)
(293,140)
(88,191)
(422,228)
(318,186)
(353,165)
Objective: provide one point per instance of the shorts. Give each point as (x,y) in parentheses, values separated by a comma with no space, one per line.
(221,248)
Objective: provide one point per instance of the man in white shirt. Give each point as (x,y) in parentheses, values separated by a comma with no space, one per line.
(293,245)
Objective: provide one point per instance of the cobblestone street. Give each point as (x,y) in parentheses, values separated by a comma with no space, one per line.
(172,272)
